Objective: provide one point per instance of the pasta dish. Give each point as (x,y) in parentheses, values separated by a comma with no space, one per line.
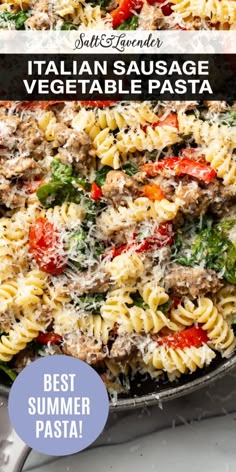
(118,235)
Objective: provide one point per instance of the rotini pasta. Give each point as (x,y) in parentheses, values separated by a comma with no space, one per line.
(152,138)
(225,301)
(216,11)
(175,361)
(218,331)
(68,215)
(126,268)
(21,333)
(153,295)
(116,117)
(95,326)
(30,289)
(117,232)
(138,210)
(183,314)
(218,151)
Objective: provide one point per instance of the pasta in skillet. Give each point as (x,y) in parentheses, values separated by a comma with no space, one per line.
(118,235)
(108,15)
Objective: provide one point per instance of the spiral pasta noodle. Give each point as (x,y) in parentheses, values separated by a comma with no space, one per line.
(8,291)
(219,333)
(140,209)
(68,215)
(106,148)
(92,17)
(125,268)
(115,310)
(153,295)
(203,132)
(152,138)
(96,326)
(225,301)
(19,336)
(222,160)
(216,11)
(174,361)
(30,288)
(133,318)
(183,314)
(218,151)
(113,118)
(66,7)
(144,321)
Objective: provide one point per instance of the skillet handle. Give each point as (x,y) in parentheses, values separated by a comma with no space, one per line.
(13,451)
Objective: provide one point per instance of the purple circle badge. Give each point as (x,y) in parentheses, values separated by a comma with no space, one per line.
(58,405)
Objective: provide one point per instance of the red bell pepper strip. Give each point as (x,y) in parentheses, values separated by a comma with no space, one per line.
(96,192)
(192,337)
(180,166)
(166,9)
(126,9)
(30,105)
(153,192)
(161,237)
(45,245)
(51,337)
(98,103)
(32,185)
(169,120)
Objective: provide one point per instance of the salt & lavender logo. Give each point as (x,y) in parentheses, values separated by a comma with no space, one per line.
(119,42)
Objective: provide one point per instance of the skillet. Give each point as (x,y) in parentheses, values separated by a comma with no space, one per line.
(143,393)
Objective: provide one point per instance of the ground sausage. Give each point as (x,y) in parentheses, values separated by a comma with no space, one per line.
(18,166)
(121,349)
(30,140)
(74,147)
(191,281)
(85,348)
(149,17)
(118,186)
(91,282)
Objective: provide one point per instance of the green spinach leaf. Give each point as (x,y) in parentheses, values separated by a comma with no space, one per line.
(18,18)
(101,175)
(67,26)
(130,24)
(9,372)
(130,168)
(55,193)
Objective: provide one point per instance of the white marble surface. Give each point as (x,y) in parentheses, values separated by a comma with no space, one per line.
(196,433)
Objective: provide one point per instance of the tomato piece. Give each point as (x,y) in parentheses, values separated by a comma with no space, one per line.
(166,9)
(196,169)
(153,192)
(191,337)
(98,103)
(161,237)
(124,11)
(181,166)
(32,185)
(30,105)
(46,247)
(169,120)
(51,337)
(176,302)
(96,191)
